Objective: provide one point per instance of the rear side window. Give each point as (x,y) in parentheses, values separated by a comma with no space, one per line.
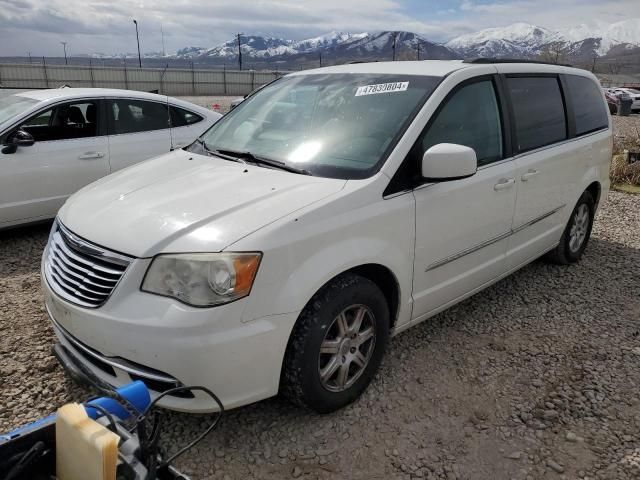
(132,116)
(538,110)
(181,117)
(588,106)
(470,117)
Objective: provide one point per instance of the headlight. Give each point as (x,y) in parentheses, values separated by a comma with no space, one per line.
(202,279)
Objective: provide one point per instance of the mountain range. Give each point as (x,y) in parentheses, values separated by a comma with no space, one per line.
(581,43)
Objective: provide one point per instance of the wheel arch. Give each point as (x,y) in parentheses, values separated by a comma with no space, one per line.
(383,277)
(595,189)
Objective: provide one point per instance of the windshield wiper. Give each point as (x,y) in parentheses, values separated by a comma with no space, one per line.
(259,160)
(219,153)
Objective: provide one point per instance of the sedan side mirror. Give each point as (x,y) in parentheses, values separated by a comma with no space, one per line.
(449,161)
(19,138)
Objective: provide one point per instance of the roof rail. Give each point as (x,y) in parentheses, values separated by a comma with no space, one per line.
(487,60)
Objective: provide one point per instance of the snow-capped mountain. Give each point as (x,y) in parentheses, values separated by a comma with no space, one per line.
(331,39)
(526,40)
(610,34)
(334,45)
(519,39)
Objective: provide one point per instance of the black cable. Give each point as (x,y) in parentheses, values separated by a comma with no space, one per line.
(213,425)
(36,450)
(106,413)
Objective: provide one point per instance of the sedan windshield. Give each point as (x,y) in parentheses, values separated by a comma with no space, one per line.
(14,105)
(330,125)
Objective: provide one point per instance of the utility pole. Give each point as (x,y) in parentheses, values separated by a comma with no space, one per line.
(393,45)
(320,57)
(164,53)
(593,66)
(64,45)
(239,52)
(29,57)
(418,48)
(138,40)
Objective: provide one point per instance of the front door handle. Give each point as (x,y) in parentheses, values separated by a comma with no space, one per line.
(91,155)
(504,183)
(530,174)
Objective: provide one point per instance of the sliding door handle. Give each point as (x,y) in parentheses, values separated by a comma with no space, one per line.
(504,183)
(530,174)
(91,155)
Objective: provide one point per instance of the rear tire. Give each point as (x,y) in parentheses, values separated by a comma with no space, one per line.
(576,234)
(337,344)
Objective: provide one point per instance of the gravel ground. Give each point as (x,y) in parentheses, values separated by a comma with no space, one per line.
(535,378)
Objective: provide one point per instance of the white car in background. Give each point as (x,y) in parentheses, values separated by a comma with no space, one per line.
(634,93)
(54,142)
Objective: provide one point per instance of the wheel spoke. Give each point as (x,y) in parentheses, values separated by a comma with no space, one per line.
(364,336)
(330,369)
(343,375)
(357,322)
(359,359)
(343,325)
(330,346)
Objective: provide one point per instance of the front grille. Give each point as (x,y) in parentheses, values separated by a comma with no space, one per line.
(79,271)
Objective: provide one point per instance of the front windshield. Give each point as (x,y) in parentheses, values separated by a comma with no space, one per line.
(331,125)
(14,105)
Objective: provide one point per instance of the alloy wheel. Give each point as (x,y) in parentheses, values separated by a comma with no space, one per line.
(347,348)
(579,228)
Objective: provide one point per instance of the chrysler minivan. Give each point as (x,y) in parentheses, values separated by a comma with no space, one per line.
(327,212)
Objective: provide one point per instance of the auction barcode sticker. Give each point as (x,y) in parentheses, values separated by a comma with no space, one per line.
(382,88)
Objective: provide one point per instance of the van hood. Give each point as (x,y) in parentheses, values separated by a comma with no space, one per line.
(184,202)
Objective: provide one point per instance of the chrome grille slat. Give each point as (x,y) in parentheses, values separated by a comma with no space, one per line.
(76,272)
(60,244)
(79,271)
(74,291)
(76,283)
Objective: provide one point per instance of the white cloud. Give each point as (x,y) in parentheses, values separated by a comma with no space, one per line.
(106,25)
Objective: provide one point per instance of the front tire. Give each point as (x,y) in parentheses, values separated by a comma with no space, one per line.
(337,344)
(576,234)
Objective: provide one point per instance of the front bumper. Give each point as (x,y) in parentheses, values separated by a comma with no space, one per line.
(136,335)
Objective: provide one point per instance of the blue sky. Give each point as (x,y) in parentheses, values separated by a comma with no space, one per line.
(106,25)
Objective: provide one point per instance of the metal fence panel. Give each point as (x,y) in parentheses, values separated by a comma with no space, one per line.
(174,82)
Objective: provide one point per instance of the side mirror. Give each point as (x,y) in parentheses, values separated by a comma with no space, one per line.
(449,161)
(19,138)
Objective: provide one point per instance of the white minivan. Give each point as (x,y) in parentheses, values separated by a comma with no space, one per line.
(55,141)
(330,210)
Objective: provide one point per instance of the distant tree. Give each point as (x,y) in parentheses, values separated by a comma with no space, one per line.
(554,52)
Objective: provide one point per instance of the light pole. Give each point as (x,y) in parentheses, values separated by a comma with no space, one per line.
(393,45)
(138,40)
(239,52)
(64,46)
(29,57)
(164,53)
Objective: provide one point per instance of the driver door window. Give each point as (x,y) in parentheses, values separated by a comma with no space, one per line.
(470,117)
(64,122)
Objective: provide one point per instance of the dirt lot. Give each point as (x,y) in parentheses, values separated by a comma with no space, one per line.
(537,377)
